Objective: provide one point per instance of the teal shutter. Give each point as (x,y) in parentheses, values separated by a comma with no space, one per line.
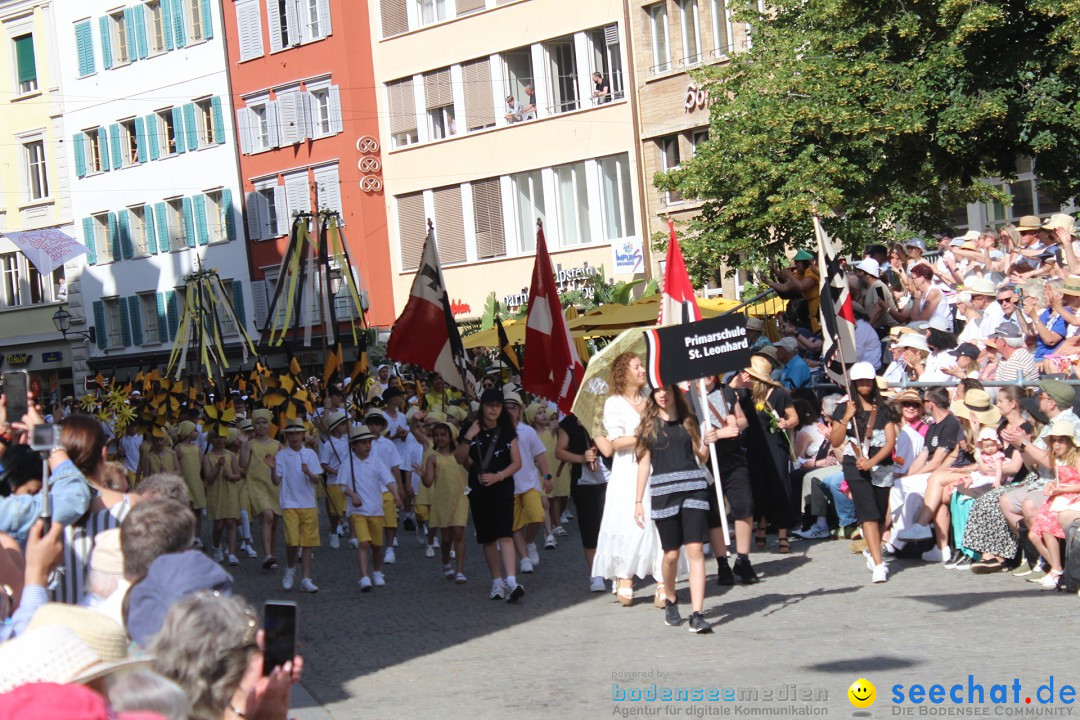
(26,66)
(114,145)
(136,320)
(190,126)
(114,237)
(178,128)
(227,211)
(173,312)
(152,137)
(207,20)
(103,143)
(77,142)
(129,28)
(99,323)
(123,223)
(150,229)
(106,42)
(140,32)
(218,119)
(162,324)
(140,138)
(238,303)
(178,23)
(189,222)
(161,215)
(166,23)
(125,324)
(202,233)
(88,240)
(84,48)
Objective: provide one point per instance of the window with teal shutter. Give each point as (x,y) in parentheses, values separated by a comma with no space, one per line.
(152,137)
(99,323)
(161,215)
(189,222)
(150,229)
(207,20)
(114,236)
(202,232)
(123,222)
(140,139)
(129,29)
(166,23)
(179,32)
(26,65)
(115,147)
(88,240)
(125,324)
(142,48)
(227,211)
(162,323)
(178,128)
(238,303)
(106,42)
(190,128)
(80,154)
(173,310)
(84,48)
(103,143)
(218,119)
(136,320)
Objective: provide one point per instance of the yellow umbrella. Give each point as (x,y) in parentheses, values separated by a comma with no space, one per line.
(595,386)
(579,343)
(515,333)
(612,318)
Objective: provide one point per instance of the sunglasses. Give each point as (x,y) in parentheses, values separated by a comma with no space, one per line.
(1011,301)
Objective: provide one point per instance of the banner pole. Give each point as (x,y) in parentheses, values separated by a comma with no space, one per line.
(715,467)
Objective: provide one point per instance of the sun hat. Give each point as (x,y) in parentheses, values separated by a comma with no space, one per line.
(103,635)
(247,424)
(107,557)
(760,369)
(55,653)
(976,405)
(171,577)
(769,353)
(435,417)
(509,396)
(1029,222)
(980,286)
(376,415)
(897,330)
(972,235)
(1062,428)
(360,432)
(861,371)
(1060,220)
(295,426)
(956,241)
(262,414)
(913,340)
(755,323)
(184,429)
(1071,286)
(989,433)
(916,242)
(908,395)
(870,266)
(335,418)
(788,343)
(1060,392)
(413,412)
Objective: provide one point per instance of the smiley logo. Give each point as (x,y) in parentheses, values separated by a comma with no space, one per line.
(862,693)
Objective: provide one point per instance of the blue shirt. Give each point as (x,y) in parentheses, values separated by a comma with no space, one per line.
(796,373)
(69,495)
(1057,325)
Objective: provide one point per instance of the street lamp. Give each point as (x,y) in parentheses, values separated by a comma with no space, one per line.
(62,320)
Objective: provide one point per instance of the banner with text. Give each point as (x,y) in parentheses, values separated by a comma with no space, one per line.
(695,350)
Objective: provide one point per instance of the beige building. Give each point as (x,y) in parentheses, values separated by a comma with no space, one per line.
(491,118)
(670,39)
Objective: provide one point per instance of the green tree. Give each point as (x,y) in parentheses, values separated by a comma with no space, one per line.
(881,116)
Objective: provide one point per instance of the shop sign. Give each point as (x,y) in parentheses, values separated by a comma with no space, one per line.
(48,357)
(696,98)
(629,258)
(458,307)
(574,278)
(18,359)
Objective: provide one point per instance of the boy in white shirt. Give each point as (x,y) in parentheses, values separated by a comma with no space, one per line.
(383,448)
(296,471)
(364,479)
(528,507)
(332,453)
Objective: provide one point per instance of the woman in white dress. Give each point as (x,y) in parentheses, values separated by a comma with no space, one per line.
(624,550)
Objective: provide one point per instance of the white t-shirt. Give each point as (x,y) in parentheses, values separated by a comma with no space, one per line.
(369,479)
(909,443)
(392,426)
(413,454)
(383,448)
(529,445)
(130,445)
(332,453)
(297,490)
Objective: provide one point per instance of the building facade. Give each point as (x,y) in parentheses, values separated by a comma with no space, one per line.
(305,111)
(492,119)
(33,193)
(155,191)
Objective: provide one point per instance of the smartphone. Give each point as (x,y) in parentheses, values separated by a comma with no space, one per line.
(279,634)
(16,389)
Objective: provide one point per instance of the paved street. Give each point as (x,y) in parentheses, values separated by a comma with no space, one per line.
(424,647)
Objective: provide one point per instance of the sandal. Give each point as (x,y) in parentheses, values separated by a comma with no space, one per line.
(448,571)
(625,592)
(784,546)
(269,563)
(460,579)
(660,598)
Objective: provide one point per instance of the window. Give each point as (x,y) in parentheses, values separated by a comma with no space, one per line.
(479,111)
(697,139)
(431,11)
(137,230)
(206,127)
(166,122)
(297,193)
(438,94)
(37,177)
(12,288)
(114,332)
(328,189)
(562,75)
(84,48)
(721,28)
(25,65)
(148,314)
(488,216)
(518,71)
(21,284)
(402,113)
(573,204)
(46,292)
(316,15)
(284,24)
(154,15)
(412,229)
(174,213)
(268,214)
(395,17)
(261,128)
(669,160)
(129,143)
(528,189)
(616,195)
(227,325)
(104,236)
(606,59)
(194,9)
(93,151)
(121,49)
(449,224)
(320,111)
(691,31)
(216,225)
(661,46)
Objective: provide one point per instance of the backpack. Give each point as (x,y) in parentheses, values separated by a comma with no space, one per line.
(1070,579)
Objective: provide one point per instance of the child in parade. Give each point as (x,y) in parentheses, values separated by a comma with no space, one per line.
(364,480)
(262,488)
(222,476)
(447,482)
(296,471)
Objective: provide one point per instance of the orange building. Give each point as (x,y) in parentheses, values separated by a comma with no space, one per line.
(304,98)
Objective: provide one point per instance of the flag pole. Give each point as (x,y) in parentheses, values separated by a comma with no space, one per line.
(715,466)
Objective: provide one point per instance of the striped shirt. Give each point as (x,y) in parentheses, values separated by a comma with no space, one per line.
(1022,362)
(79,540)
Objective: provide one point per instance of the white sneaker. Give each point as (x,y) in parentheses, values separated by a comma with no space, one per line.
(379,578)
(916,532)
(389,558)
(881,573)
(435,543)
(558,531)
(233,560)
(307,586)
(354,543)
(365,584)
(218,555)
(937,555)
(288,577)
(395,541)
(249,550)
(497,591)
(597,584)
(453,555)
(335,541)
(870,560)
(814,532)
(550,543)
(526,565)
(566,517)
(430,552)
(534,557)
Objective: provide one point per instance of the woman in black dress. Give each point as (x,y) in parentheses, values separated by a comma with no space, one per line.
(489,451)
(669,452)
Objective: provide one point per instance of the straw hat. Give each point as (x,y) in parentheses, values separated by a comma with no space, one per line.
(1062,428)
(977,406)
(1060,220)
(335,418)
(295,426)
(56,653)
(360,432)
(909,395)
(759,369)
(755,323)
(101,633)
(980,286)
(769,353)
(1072,286)
(262,414)
(1029,222)
(913,340)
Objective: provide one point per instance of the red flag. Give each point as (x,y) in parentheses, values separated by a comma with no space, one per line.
(552,369)
(425,334)
(678,304)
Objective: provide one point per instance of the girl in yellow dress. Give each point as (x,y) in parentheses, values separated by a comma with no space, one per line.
(447,479)
(221,473)
(262,491)
(554,502)
(159,457)
(190,457)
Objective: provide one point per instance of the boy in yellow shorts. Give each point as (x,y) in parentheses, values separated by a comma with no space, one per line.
(364,479)
(383,449)
(528,507)
(297,471)
(332,453)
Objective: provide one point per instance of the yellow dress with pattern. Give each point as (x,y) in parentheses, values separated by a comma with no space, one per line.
(449,505)
(261,491)
(191,470)
(223,495)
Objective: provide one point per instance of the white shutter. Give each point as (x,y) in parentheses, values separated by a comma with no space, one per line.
(289,118)
(273,121)
(324,18)
(274,20)
(243,129)
(336,125)
(306,130)
(296,193)
(259,302)
(327,188)
(292,17)
(249,23)
(281,207)
(254,207)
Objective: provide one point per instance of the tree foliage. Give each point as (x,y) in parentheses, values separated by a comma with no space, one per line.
(882,116)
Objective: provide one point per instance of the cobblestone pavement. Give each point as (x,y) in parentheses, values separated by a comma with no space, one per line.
(424,647)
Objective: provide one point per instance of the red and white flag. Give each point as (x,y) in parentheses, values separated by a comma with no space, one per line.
(837,313)
(552,369)
(425,333)
(678,305)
